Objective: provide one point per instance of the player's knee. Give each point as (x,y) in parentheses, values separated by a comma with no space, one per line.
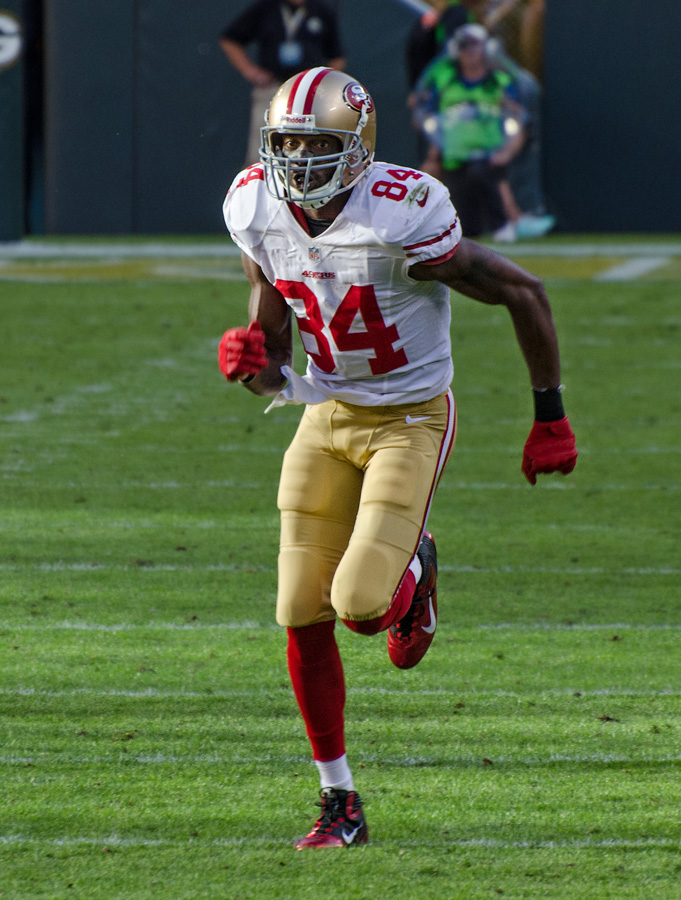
(361,589)
(302,598)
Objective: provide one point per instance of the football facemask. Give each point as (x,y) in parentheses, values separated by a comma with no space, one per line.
(325,102)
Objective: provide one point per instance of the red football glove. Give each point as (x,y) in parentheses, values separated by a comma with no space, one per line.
(242,352)
(550,447)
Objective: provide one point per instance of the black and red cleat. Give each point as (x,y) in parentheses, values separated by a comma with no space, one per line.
(410,637)
(340,824)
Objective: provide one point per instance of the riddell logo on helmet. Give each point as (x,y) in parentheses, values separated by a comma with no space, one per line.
(289,120)
(357,98)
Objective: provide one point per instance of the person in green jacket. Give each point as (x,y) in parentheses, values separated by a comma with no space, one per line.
(471,114)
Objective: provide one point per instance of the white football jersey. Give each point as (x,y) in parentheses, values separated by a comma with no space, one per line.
(372,334)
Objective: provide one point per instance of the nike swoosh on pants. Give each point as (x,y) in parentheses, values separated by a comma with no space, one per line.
(410,420)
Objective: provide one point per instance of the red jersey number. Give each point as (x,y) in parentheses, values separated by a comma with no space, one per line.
(395,190)
(376,336)
(313,324)
(255,173)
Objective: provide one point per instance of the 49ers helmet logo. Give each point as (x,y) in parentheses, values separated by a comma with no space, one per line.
(357,98)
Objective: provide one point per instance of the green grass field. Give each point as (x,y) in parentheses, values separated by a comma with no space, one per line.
(150,743)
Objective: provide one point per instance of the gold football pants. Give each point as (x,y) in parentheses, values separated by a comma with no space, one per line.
(356,488)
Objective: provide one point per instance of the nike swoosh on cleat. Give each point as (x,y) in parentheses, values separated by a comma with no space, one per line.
(410,420)
(348,837)
(433,621)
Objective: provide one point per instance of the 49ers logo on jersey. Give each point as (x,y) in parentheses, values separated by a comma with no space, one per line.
(357,98)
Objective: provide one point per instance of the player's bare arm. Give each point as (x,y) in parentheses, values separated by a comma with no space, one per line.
(480,273)
(268,307)
(484,275)
(254,356)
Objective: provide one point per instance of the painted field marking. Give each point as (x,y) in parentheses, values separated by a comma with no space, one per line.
(113,627)
(445,692)
(642,258)
(446,485)
(633,268)
(114,840)
(36,249)
(61,566)
(57,758)
(74,250)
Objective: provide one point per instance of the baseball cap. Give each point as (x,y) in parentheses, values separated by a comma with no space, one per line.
(467,33)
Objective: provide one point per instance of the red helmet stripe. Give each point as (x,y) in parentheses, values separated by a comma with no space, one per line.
(313,90)
(303,91)
(294,91)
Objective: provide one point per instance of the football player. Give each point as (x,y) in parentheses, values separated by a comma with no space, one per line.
(363,254)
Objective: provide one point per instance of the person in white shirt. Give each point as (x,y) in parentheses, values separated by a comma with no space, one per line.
(363,254)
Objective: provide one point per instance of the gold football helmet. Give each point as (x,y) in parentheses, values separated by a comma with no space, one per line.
(318,101)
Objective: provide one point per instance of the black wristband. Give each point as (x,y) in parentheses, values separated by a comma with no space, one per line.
(548,404)
(246,379)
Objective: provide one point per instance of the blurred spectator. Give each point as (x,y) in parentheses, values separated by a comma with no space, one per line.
(516,46)
(516,29)
(524,173)
(431,32)
(288,36)
(470,110)
(462,105)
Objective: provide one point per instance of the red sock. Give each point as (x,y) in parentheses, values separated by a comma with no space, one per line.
(316,672)
(400,604)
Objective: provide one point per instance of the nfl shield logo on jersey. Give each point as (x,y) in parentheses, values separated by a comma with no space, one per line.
(315,254)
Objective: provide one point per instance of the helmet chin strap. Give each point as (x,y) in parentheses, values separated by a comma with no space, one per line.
(314,204)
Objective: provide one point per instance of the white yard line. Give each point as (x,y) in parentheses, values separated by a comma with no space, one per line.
(114,627)
(590,250)
(113,840)
(141,567)
(255,567)
(632,268)
(642,258)
(130,626)
(447,692)
(560,570)
(10,475)
(56,759)
(75,249)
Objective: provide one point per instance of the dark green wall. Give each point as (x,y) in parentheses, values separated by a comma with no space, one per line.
(90,75)
(147,120)
(612,124)
(11,136)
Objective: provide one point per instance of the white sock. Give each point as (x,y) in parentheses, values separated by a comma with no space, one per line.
(335,773)
(416,567)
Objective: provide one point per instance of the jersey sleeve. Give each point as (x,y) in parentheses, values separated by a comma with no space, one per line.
(433,230)
(242,211)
